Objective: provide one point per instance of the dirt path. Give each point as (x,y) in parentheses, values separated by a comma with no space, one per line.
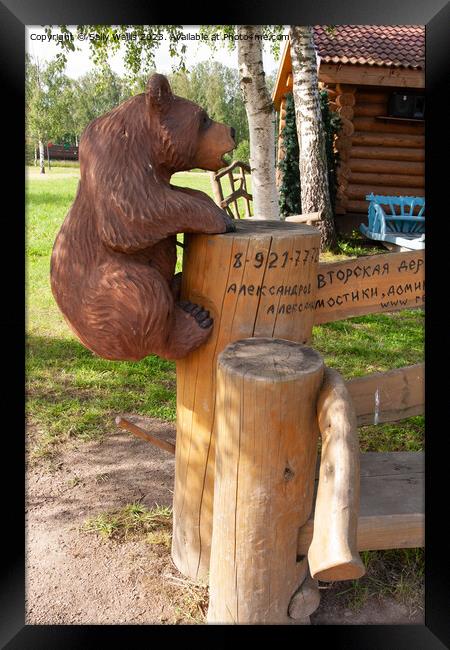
(75,577)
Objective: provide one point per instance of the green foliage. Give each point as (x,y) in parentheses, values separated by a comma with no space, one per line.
(290,191)
(59,108)
(141,43)
(242,151)
(290,195)
(48,97)
(215,87)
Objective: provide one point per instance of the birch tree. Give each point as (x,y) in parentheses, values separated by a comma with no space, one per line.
(310,131)
(261,122)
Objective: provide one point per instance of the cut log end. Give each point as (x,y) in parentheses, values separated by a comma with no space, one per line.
(262,358)
(351,570)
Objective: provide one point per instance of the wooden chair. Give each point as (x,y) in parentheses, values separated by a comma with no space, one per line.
(238,184)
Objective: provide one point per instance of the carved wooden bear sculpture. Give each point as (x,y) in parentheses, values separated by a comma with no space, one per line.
(113,262)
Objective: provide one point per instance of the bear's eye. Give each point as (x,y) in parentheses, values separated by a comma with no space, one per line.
(206,121)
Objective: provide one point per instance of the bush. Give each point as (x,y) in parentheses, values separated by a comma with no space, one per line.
(242,152)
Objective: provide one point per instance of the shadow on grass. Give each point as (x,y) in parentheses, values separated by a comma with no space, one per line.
(73,393)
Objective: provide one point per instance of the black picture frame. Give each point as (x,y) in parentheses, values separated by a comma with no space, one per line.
(14,15)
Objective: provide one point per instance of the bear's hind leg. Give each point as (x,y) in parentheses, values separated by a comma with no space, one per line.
(191,327)
(129,313)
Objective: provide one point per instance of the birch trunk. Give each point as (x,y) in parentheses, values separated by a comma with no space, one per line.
(261,122)
(310,130)
(42,156)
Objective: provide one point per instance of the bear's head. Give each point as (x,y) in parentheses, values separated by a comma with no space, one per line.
(187,136)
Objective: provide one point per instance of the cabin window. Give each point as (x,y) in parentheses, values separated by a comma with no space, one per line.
(407,105)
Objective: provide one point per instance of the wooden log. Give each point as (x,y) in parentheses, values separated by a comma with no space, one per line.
(358,207)
(306,600)
(344,155)
(371,97)
(331,92)
(371,75)
(392,508)
(397,180)
(266,450)
(371,124)
(388,153)
(341,192)
(345,88)
(389,140)
(388,396)
(257,281)
(347,127)
(343,172)
(308,217)
(372,284)
(345,112)
(343,142)
(339,208)
(333,553)
(361,191)
(387,166)
(342,184)
(346,99)
(370,110)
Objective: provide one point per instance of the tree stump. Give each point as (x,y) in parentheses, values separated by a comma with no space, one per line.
(258,281)
(266,451)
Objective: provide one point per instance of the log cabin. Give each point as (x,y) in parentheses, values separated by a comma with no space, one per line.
(375,78)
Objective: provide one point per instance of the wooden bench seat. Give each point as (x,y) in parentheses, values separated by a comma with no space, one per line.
(392,219)
(392,510)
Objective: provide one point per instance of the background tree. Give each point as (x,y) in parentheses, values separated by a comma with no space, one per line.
(48,103)
(98,92)
(105,40)
(311,138)
(216,87)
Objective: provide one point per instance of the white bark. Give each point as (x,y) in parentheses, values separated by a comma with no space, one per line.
(311,135)
(41,156)
(261,122)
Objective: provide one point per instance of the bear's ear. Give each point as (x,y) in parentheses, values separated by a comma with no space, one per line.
(158,91)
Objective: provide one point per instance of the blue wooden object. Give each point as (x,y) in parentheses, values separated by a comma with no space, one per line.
(397,224)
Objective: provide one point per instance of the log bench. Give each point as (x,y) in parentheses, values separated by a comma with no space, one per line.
(392,510)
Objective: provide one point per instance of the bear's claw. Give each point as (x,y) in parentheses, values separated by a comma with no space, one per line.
(201,315)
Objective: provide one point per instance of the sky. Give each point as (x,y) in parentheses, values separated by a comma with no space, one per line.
(78,63)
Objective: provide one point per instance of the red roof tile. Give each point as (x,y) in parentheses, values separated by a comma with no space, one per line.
(383,45)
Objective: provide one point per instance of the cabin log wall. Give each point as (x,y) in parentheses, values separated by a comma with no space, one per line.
(376,155)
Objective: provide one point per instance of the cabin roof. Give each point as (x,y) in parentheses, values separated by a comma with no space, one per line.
(381,45)
(389,47)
